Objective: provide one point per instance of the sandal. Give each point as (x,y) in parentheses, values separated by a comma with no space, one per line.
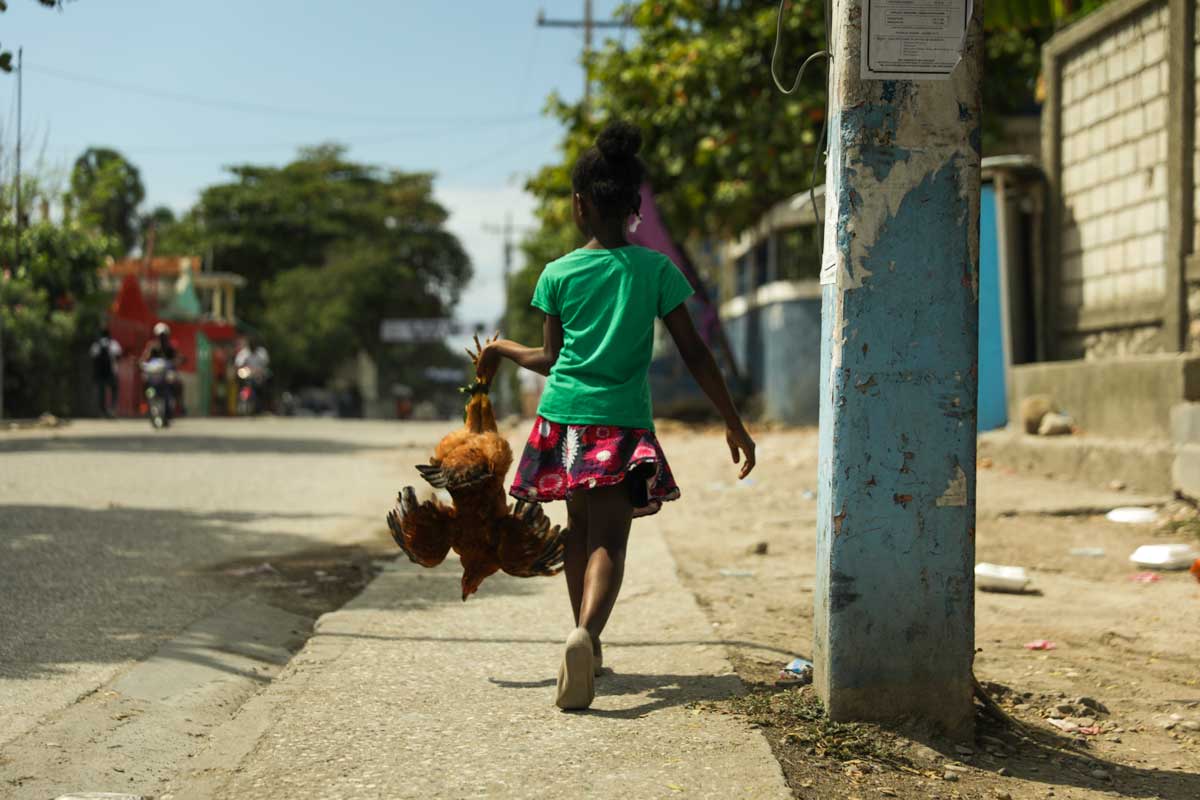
(597,660)
(576,680)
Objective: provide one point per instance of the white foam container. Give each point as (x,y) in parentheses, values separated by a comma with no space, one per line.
(1133,515)
(1165,556)
(1000,578)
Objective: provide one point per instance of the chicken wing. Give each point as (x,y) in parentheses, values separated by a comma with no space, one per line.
(425,530)
(527,545)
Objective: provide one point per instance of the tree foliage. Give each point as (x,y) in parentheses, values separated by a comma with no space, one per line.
(329,248)
(318,317)
(107,190)
(272,219)
(1027,15)
(48,310)
(721,144)
(38,356)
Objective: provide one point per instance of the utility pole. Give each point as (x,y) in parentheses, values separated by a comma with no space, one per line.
(17,227)
(894,616)
(588,24)
(505,231)
(20,81)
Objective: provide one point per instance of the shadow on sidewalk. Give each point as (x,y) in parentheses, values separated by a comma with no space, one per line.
(615,643)
(660,691)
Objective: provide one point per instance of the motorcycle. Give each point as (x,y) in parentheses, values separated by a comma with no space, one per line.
(250,383)
(157,374)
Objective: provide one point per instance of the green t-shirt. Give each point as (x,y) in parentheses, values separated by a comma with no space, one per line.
(607,301)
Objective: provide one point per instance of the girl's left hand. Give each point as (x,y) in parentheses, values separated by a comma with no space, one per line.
(486,358)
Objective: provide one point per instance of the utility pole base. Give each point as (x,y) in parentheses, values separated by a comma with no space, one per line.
(894,619)
(946,707)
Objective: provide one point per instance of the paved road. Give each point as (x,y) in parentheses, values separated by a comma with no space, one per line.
(109,533)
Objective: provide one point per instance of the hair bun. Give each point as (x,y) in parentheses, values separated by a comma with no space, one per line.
(619,140)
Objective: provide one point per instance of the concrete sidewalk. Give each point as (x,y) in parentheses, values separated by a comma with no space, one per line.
(409,692)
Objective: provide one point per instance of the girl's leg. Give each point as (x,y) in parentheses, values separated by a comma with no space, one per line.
(575,558)
(609,515)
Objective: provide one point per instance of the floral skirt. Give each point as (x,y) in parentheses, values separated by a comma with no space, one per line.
(561,459)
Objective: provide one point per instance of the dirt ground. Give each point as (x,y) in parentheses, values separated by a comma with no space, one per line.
(1112,711)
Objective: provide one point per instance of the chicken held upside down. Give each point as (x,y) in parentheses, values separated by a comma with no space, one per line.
(488,536)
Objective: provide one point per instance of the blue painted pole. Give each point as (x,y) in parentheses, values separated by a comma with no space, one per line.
(894,632)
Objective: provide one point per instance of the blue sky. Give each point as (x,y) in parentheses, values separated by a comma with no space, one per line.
(184,88)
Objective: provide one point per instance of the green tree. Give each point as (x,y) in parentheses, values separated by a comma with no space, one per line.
(318,317)
(49,309)
(1027,15)
(269,220)
(721,144)
(308,324)
(62,260)
(107,190)
(329,248)
(38,358)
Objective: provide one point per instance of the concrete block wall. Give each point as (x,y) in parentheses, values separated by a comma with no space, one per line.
(1185,432)
(1114,167)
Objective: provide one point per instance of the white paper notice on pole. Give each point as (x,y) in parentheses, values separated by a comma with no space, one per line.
(913,40)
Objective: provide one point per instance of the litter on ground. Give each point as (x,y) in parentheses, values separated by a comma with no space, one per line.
(1133,515)
(1000,578)
(798,672)
(1165,556)
(1040,644)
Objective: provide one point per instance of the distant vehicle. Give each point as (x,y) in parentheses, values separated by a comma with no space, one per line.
(250,384)
(157,374)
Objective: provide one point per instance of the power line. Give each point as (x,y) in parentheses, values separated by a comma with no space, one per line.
(257,108)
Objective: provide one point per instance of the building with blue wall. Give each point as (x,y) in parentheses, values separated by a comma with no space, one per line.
(771,307)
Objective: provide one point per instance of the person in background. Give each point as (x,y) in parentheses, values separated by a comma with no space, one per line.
(161,345)
(253,357)
(104,352)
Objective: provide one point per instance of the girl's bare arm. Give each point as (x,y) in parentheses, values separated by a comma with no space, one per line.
(536,359)
(703,366)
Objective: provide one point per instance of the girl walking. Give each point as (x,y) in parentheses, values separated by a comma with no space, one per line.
(593,441)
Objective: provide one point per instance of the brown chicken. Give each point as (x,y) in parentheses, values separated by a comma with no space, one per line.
(488,536)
